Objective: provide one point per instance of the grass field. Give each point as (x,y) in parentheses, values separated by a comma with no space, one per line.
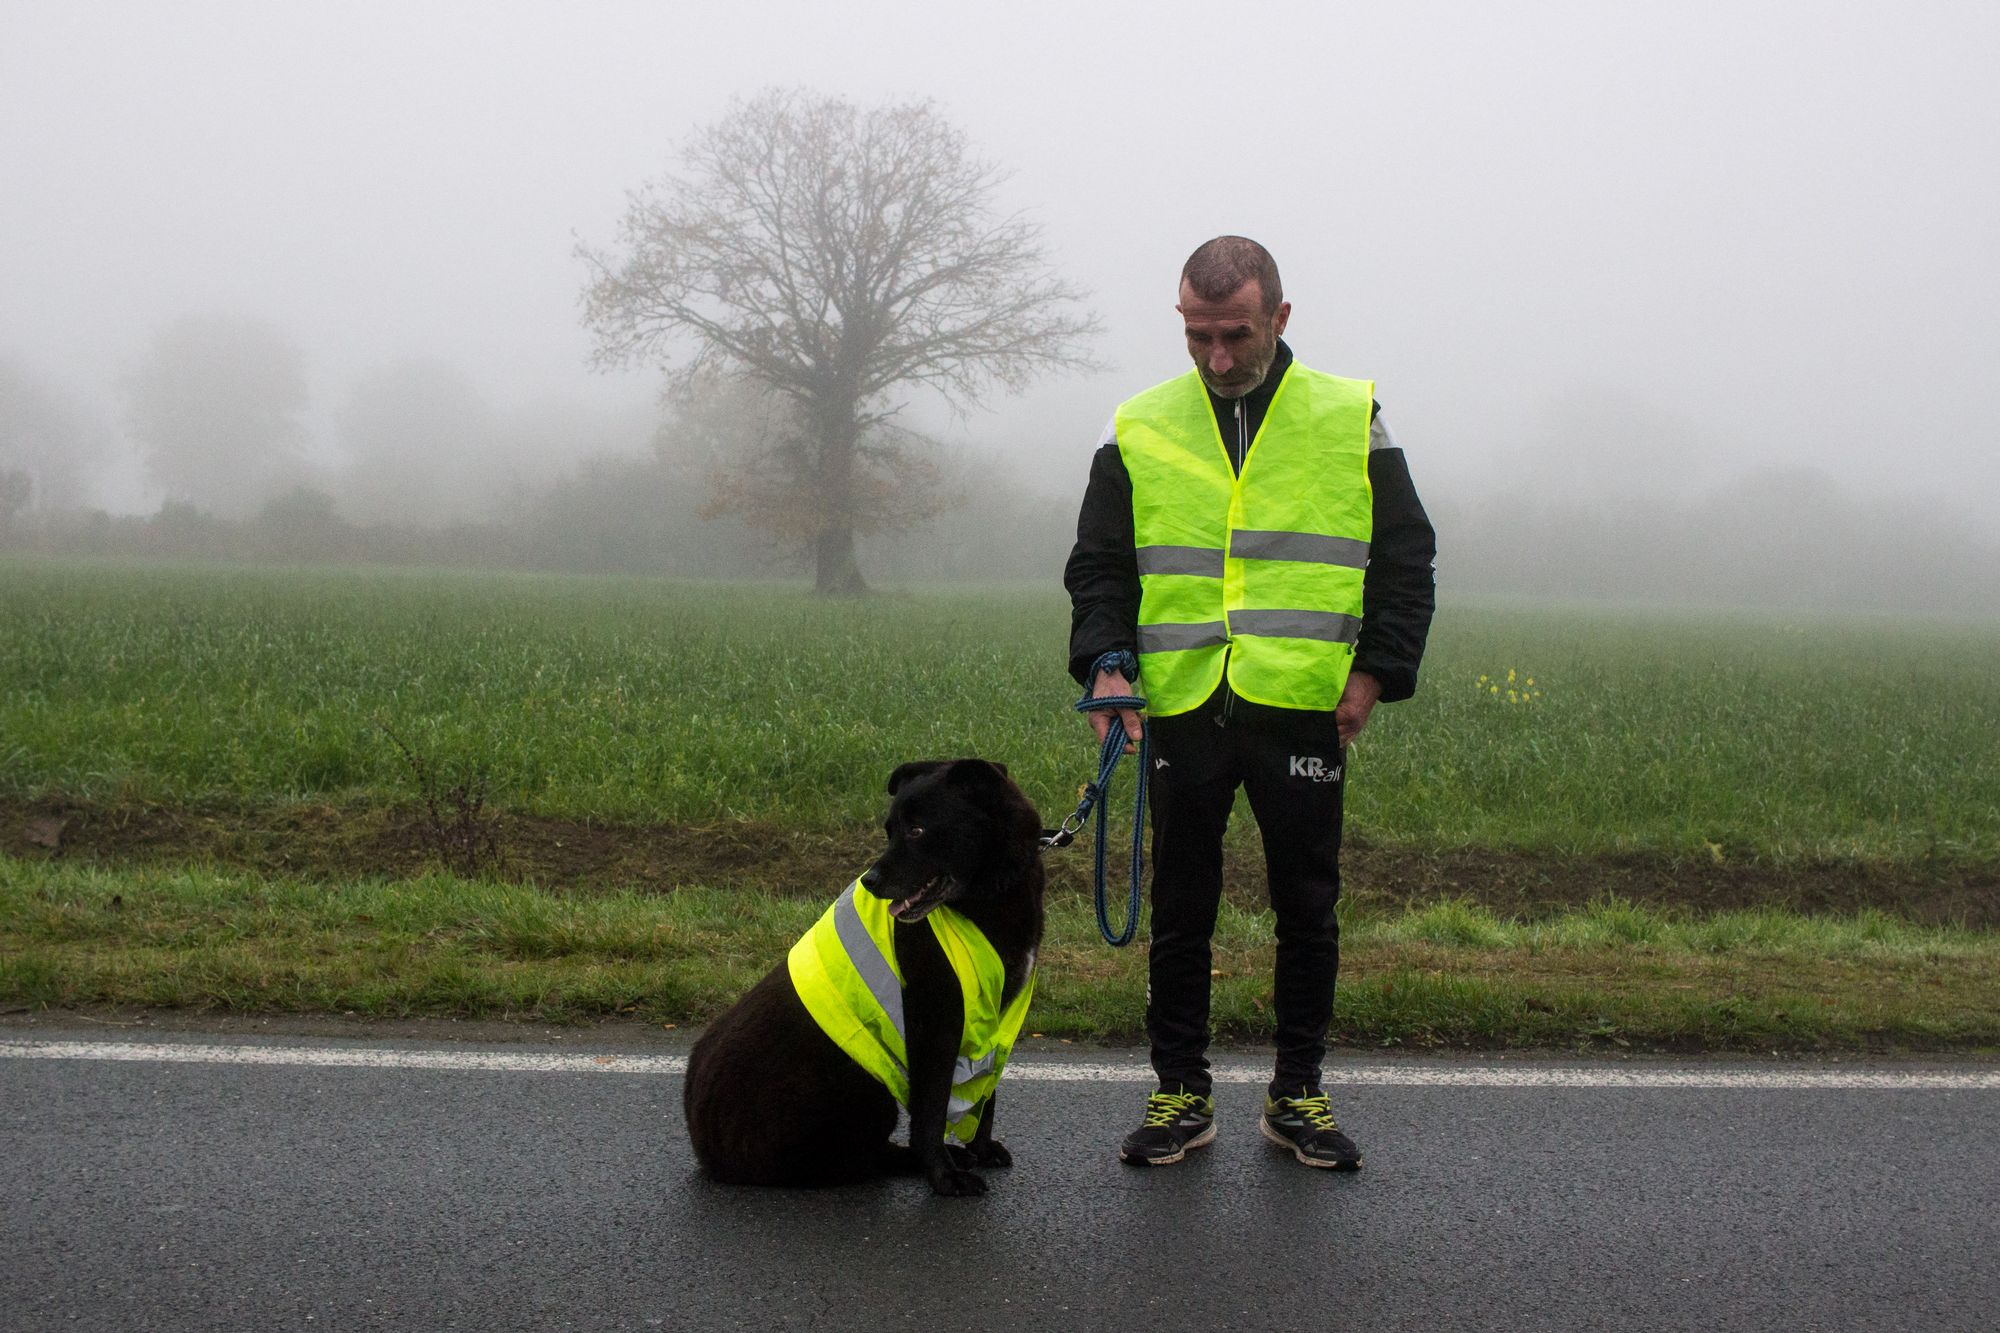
(640,701)
(1577,833)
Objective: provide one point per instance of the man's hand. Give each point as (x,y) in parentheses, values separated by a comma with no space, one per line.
(1357,701)
(1111,683)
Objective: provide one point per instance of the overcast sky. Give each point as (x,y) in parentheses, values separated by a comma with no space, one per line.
(1580,246)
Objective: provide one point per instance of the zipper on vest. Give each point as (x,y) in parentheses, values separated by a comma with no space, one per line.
(1242,456)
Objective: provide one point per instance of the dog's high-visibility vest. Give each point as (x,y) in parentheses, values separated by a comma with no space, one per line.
(1257,573)
(846,972)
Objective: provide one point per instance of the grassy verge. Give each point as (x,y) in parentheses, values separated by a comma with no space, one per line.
(1445,972)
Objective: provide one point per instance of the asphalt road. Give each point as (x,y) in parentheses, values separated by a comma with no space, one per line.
(149,1194)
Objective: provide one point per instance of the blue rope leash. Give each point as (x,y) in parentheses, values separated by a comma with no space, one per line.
(1095,794)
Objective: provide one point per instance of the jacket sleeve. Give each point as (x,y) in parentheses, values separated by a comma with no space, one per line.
(1103,573)
(1399,590)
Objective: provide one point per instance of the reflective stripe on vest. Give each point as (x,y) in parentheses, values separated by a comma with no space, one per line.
(1257,573)
(846,974)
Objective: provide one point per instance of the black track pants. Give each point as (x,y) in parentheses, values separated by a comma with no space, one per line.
(1294,773)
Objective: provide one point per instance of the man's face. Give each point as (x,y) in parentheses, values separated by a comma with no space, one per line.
(1232,341)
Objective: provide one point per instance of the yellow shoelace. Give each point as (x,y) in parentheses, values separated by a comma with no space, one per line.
(1164,1108)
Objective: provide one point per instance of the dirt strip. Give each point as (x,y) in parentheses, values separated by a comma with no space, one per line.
(328,842)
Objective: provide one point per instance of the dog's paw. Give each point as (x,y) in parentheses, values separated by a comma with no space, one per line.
(895,1159)
(993,1153)
(958,1184)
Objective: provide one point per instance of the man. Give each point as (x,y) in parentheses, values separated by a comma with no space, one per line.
(1251,541)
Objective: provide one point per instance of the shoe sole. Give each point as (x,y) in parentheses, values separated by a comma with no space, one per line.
(1201,1140)
(1264,1127)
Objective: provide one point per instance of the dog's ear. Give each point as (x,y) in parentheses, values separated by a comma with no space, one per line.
(905,772)
(979,774)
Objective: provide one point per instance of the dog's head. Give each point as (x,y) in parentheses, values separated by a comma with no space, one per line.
(956,827)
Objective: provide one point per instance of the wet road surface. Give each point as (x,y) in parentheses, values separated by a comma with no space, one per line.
(142,1192)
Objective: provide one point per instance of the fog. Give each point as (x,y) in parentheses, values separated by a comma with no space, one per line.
(1690,302)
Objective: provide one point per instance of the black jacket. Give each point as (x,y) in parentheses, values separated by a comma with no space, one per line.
(1398,591)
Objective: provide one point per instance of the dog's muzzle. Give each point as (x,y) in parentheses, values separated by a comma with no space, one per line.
(918,905)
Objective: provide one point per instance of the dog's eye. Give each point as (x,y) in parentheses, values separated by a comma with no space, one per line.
(914,831)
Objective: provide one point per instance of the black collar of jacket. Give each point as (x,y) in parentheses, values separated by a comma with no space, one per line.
(1254,402)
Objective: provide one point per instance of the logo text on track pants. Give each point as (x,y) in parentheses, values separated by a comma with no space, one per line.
(1313,767)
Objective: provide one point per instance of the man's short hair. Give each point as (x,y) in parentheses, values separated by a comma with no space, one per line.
(1219,267)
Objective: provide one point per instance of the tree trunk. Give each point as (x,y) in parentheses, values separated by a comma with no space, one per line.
(835,573)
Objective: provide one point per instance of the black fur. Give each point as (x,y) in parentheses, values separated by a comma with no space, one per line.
(770,1100)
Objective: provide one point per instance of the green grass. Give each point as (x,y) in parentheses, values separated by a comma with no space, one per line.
(1442,973)
(640,700)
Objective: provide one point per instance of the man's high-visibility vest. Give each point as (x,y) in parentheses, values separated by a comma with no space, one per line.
(846,972)
(1260,573)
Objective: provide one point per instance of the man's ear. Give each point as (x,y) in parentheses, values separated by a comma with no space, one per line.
(905,772)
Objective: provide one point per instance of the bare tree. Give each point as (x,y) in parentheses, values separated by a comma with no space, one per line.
(48,437)
(840,257)
(215,405)
(745,447)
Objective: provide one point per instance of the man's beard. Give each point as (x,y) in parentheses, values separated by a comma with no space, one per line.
(1237,388)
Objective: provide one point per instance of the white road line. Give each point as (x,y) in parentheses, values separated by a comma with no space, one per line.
(338,1057)
(1339,1074)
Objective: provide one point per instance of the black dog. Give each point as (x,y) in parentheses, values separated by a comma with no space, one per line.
(771,1099)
